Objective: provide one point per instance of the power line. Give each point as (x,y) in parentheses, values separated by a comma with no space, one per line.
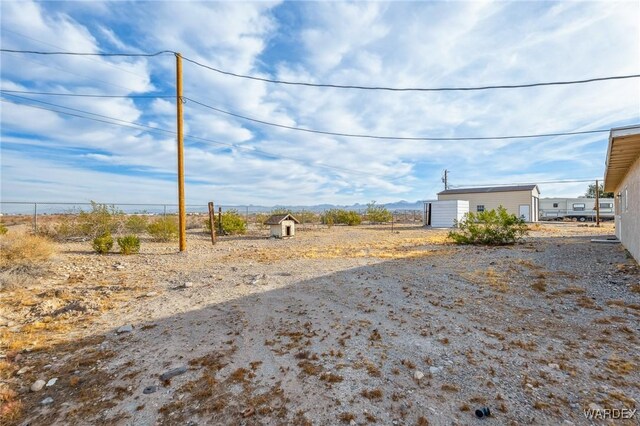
(413,89)
(132,125)
(86,95)
(39,52)
(526,183)
(267,123)
(337,86)
(405,138)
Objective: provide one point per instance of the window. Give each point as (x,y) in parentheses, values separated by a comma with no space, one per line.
(480,208)
(555,205)
(606,205)
(578,207)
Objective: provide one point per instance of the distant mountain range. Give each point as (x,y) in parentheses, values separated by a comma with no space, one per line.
(397,205)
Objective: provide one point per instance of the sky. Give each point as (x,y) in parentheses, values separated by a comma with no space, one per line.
(49,156)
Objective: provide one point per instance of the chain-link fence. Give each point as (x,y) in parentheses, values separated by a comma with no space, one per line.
(36,214)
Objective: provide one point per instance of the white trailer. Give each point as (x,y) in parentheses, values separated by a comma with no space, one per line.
(443,213)
(580,209)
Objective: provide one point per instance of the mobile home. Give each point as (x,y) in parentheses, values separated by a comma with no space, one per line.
(581,209)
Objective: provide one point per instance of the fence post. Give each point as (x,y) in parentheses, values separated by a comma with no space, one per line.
(220,220)
(247,216)
(35,218)
(212,215)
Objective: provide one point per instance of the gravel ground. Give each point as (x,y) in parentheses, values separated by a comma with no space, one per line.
(342,325)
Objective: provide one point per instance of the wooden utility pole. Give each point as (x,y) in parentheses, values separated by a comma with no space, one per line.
(182,214)
(212,222)
(444,179)
(597,204)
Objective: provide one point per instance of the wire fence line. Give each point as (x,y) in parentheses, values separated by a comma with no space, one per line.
(35,211)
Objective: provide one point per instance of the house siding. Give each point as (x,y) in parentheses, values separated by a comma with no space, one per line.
(628,220)
(492,200)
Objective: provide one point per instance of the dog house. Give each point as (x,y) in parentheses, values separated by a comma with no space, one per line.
(282,225)
(444,213)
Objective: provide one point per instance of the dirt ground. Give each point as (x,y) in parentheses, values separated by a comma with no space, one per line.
(341,325)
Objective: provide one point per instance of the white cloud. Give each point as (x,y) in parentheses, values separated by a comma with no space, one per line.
(389,44)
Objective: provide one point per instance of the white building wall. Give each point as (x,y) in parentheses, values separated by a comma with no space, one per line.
(627,217)
(510,200)
(445,213)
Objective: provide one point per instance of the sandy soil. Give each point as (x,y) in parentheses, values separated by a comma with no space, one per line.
(342,325)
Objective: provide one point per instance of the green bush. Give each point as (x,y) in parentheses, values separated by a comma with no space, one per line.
(3,229)
(340,216)
(129,244)
(494,228)
(103,243)
(136,224)
(378,214)
(232,223)
(100,220)
(164,229)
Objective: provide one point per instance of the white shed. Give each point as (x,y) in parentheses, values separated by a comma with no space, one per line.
(444,213)
(282,225)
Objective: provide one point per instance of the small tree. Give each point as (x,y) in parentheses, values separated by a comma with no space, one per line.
(490,227)
(377,213)
(100,220)
(591,191)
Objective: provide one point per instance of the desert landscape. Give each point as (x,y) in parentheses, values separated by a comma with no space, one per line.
(339,325)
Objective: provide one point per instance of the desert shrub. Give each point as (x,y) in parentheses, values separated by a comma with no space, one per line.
(23,256)
(378,214)
(103,243)
(341,216)
(100,220)
(261,218)
(232,223)
(490,227)
(164,229)
(129,244)
(18,250)
(136,224)
(307,217)
(3,229)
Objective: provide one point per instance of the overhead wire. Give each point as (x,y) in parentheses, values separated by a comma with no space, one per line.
(335,86)
(525,183)
(406,138)
(413,89)
(40,52)
(139,126)
(86,95)
(340,134)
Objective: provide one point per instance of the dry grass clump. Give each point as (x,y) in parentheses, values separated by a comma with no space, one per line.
(10,406)
(22,256)
(372,393)
(20,250)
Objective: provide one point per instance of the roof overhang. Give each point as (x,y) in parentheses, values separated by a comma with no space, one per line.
(623,151)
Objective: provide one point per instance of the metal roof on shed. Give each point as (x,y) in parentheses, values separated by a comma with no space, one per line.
(277,219)
(488,189)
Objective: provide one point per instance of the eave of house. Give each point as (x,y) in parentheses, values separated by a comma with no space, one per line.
(623,151)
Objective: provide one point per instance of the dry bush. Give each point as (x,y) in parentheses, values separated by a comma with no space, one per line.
(22,256)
